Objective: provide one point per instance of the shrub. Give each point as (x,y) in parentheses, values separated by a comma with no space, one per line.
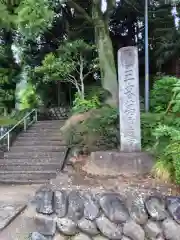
(83,105)
(98,91)
(94,129)
(167,148)
(162,93)
(163,170)
(149,122)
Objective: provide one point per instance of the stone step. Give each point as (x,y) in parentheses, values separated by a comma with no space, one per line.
(33,166)
(29,142)
(37,138)
(22,181)
(38,148)
(27,175)
(31,160)
(34,155)
(50,122)
(44,127)
(41,135)
(45,131)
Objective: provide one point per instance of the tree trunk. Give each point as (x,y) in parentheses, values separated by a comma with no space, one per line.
(106,55)
(81,77)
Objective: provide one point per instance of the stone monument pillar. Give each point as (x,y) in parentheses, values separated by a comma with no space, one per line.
(129,104)
(130,160)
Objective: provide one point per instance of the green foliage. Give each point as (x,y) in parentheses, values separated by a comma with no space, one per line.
(168,147)
(163,33)
(97,131)
(95,90)
(162,93)
(160,130)
(6,121)
(175,101)
(29,98)
(34,17)
(6,19)
(149,122)
(73,62)
(83,105)
(163,170)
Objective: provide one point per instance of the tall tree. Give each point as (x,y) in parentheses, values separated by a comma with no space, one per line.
(37,15)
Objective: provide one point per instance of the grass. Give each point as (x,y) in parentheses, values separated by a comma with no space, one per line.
(5,121)
(163,170)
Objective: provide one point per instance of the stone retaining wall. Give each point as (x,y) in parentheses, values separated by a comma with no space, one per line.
(84,216)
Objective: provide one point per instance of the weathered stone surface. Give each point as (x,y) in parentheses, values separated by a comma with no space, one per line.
(173,206)
(81,236)
(160,238)
(8,212)
(76,206)
(66,226)
(91,208)
(45,225)
(129,104)
(108,228)
(88,226)
(125,238)
(44,198)
(171,229)
(37,236)
(138,212)
(133,231)
(60,203)
(152,230)
(114,208)
(60,237)
(110,163)
(156,208)
(99,237)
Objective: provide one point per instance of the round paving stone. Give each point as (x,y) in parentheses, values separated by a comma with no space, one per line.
(152,230)
(173,206)
(88,227)
(37,236)
(138,211)
(133,231)
(60,203)
(156,208)
(171,229)
(91,208)
(81,236)
(108,228)
(76,206)
(114,208)
(66,226)
(44,201)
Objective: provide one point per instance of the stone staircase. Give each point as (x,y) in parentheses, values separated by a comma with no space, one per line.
(36,156)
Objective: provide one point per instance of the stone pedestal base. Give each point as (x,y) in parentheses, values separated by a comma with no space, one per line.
(119,163)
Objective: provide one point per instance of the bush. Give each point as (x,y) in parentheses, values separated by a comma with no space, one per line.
(96,129)
(162,93)
(7,121)
(98,91)
(149,122)
(167,149)
(83,105)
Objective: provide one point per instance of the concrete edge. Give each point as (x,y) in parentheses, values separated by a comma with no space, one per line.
(24,206)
